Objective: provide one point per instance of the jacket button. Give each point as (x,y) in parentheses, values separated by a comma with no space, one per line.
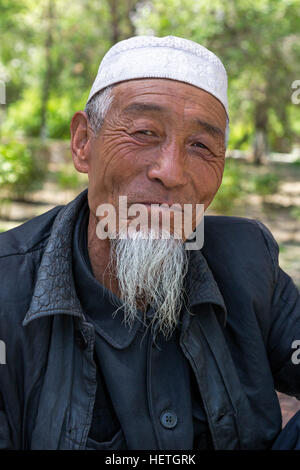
(168,419)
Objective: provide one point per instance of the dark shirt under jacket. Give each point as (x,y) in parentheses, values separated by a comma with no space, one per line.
(147,396)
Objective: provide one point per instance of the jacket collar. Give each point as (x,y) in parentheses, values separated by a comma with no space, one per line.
(201,287)
(55,292)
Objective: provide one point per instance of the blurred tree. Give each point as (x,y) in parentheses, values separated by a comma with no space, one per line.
(49,56)
(121,12)
(48,72)
(259,44)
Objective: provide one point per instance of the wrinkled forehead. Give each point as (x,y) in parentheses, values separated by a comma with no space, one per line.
(164,97)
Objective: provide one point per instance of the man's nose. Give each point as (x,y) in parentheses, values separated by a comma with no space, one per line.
(169,166)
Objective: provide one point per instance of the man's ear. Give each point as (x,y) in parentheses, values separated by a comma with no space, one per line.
(81,134)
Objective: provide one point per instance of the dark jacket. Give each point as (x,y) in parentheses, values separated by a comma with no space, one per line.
(48,384)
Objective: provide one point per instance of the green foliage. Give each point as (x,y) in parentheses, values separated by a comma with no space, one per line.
(262,184)
(23,117)
(20,172)
(230,190)
(282,248)
(68,178)
(241,136)
(237,183)
(50,57)
(60,114)
(295,213)
(51,52)
(259,44)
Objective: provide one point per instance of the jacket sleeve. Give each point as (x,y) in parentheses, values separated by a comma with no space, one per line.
(284,327)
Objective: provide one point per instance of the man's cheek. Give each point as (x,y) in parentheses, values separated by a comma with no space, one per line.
(216,170)
(209,177)
(117,156)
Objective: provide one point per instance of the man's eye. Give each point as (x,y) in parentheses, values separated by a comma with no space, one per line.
(146,132)
(199,145)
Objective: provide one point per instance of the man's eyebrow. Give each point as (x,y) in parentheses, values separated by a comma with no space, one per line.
(142,107)
(210,128)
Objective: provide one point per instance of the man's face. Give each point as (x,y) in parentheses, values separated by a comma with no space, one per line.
(162,141)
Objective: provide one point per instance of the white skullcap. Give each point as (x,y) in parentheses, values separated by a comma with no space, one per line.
(168,57)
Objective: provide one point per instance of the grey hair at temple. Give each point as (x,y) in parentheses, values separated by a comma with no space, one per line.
(98,106)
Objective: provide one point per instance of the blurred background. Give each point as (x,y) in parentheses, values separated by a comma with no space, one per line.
(49,55)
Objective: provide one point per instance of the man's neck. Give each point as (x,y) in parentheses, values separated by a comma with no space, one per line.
(99,254)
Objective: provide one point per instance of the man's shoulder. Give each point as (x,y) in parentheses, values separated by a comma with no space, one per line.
(237,230)
(28,237)
(218,221)
(240,243)
(21,251)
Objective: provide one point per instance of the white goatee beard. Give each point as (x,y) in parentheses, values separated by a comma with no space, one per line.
(150,272)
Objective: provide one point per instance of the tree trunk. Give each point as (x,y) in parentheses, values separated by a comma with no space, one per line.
(260,148)
(47,81)
(120,19)
(115,20)
(131,8)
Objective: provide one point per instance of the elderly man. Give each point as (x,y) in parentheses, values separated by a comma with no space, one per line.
(135,342)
